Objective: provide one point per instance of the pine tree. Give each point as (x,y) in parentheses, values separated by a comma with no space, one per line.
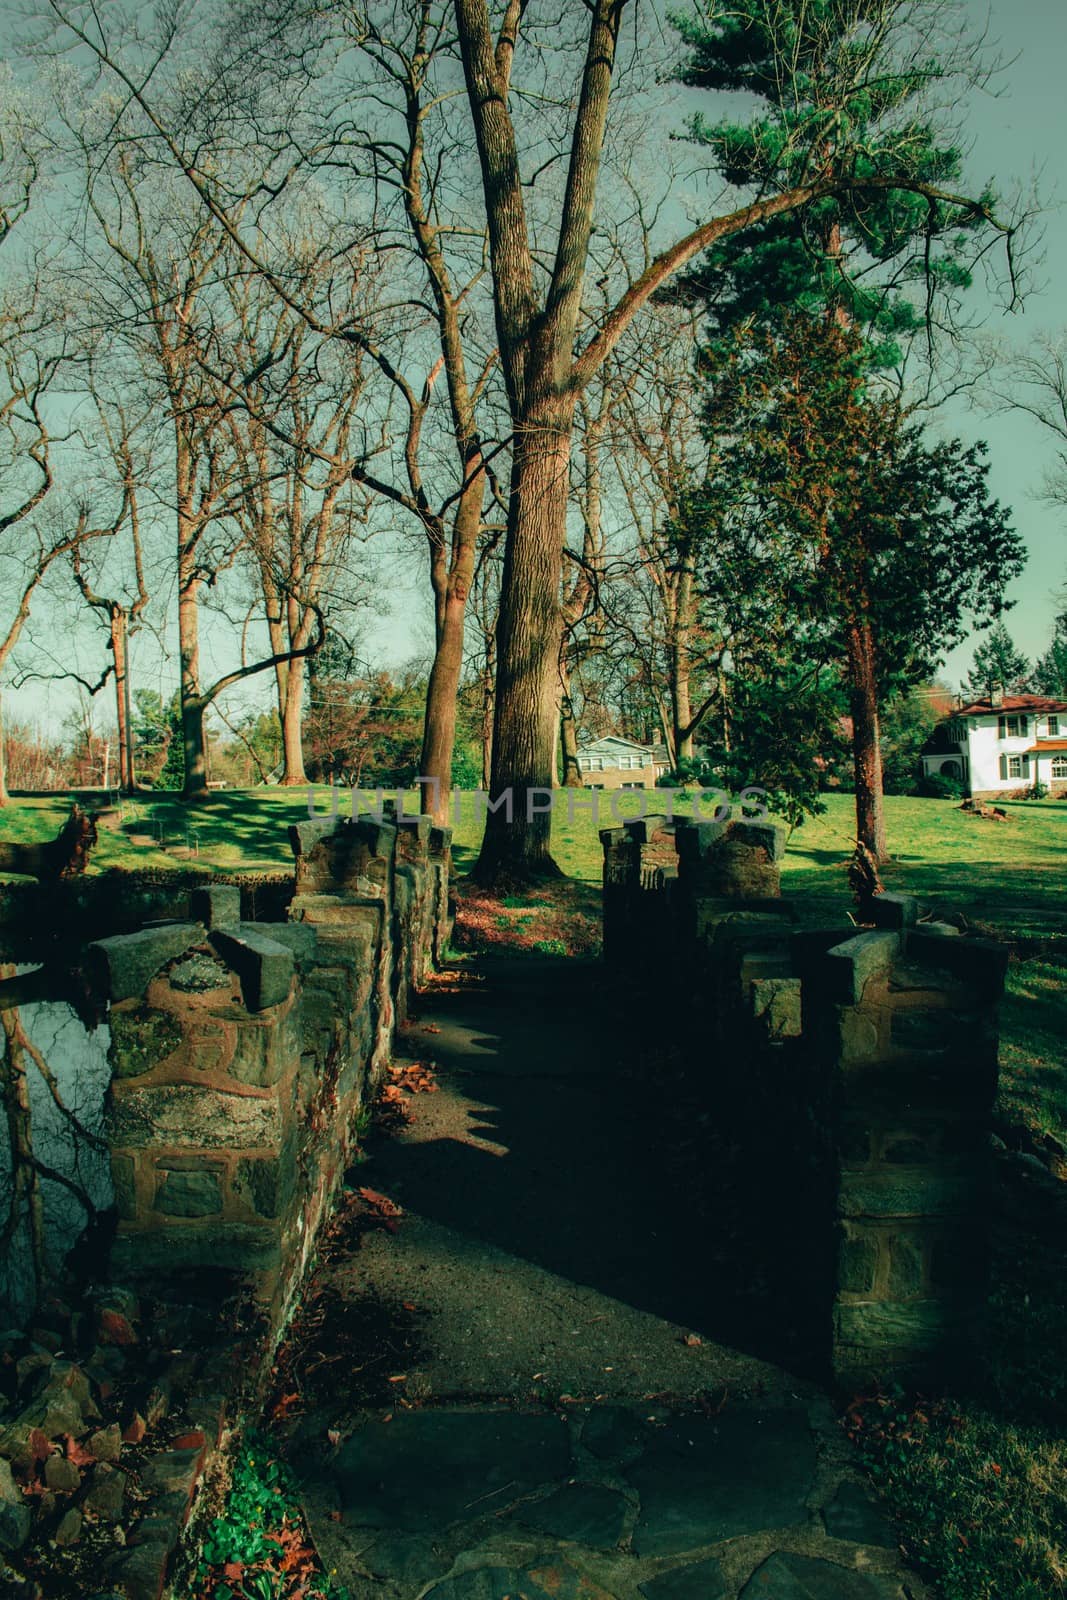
(1050,672)
(998,663)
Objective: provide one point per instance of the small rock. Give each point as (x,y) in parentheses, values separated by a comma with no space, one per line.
(69,1530)
(106,1443)
(63,1415)
(106,1493)
(157,1403)
(27,1366)
(117,1314)
(135,1429)
(61,1475)
(68,1380)
(15,1524)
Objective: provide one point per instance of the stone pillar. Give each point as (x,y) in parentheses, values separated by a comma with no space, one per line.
(905,1020)
(441,868)
(622,879)
(344,890)
(205,1053)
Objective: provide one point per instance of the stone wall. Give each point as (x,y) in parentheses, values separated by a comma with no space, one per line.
(243,1052)
(859,1070)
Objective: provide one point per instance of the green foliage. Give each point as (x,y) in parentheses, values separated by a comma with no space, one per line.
(260,1519)
(784,720)
(907,721)
(827,512)
(157,728)
(466,762)
(939,786)
(841,93)
(1050,672)
(997,661)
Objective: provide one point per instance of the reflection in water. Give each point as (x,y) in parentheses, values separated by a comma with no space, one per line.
(54,1170)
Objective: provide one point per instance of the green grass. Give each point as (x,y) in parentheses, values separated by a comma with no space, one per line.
(978,1480)
(1002,872)
(1033,1024)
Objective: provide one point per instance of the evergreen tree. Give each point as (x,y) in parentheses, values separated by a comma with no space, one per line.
(997,661)
(1050,672)
(833,534)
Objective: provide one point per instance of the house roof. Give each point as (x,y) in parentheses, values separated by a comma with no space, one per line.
(1046,745)
(612,742)
(1011,702)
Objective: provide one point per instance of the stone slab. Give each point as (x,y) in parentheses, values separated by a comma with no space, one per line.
(785,1576)
(854,1513)
(702,1480)
(581,1513)
(612,1431)
(556,1580)
(264,966)
(187,1116)
(125,965)
(426,1469)
(701,1580)
(850,965)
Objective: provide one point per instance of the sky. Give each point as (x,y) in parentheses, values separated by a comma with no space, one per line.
(1021,134)
(1018,140)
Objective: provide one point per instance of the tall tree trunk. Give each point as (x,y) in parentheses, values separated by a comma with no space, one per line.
(681,703)
(451,584)
(292,717)
(122,698)
(517,833)
(194,745)
(572,773)
(488,680)
(866,744)
(4,796)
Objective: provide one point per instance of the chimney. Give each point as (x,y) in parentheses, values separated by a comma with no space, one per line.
(996,694)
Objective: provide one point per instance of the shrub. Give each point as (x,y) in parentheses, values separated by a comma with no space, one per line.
(937,786)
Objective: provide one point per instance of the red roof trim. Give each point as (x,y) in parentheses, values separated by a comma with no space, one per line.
(1011,702)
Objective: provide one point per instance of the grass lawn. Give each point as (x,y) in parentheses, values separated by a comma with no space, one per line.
(1003,871)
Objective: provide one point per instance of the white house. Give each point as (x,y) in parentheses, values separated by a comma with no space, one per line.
(614,763)
(1002,746)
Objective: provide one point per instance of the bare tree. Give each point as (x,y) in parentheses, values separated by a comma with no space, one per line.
(293,438)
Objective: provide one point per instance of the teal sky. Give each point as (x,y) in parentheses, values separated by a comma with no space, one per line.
(1021,135)
(1018,139)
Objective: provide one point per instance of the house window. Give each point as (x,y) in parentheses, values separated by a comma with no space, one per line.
(1016,766)
(1011,727)
(1059,766)
(626,762)
(1053,729)
(631,786)
(583,763)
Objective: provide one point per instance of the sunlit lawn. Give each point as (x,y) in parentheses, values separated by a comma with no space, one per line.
(1002,871)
